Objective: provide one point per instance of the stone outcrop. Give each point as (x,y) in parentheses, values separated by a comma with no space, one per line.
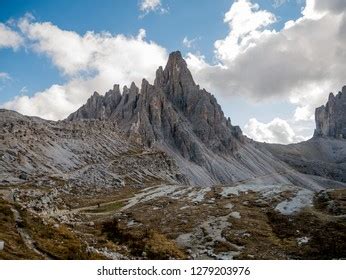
(331,118)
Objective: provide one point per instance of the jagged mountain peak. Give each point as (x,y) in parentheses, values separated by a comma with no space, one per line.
(175,74)
(116,87)
(175,61)
(159,77)
(176,71)
(113,93)
(174,114)
(341,95)
(95,94)
(144,84)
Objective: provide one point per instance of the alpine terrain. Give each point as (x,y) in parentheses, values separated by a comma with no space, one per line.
(158,172)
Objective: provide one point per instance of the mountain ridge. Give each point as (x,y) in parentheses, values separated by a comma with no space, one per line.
(176,116)
(173,114)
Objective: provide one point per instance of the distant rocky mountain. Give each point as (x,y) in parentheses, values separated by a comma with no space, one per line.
(176,116)
(325,154)
(331,118)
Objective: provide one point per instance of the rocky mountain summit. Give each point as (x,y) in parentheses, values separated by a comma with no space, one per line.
(331,118)
(172,120)
(172,108)
(176,116)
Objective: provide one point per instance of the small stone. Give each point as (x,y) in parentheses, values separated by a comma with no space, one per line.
(235,215)
(23,176)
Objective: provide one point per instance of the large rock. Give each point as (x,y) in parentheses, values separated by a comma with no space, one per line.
(331,118)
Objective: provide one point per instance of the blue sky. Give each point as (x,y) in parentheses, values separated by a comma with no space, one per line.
(202,19)
(201,23)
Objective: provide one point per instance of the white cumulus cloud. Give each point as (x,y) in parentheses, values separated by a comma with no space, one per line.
(276,131)
(279,3)
(9,38)
(246,22)
(301,63)
(190,43)
(296,63)
(147,6)
(91,62)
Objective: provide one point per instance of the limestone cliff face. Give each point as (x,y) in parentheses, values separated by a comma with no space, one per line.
(174,112)
(331,118)
(98,106)
(178,117)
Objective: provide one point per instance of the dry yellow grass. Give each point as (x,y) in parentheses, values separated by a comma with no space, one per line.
(57,243)
(15,248)
(143,242)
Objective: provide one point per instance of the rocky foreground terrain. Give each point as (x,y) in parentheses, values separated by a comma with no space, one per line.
(158,172)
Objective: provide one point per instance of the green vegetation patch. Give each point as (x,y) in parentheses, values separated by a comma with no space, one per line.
(105,208)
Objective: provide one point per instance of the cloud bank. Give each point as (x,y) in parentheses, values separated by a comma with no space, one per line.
(276,131)
(91,62)
(301,63)
(9,38)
